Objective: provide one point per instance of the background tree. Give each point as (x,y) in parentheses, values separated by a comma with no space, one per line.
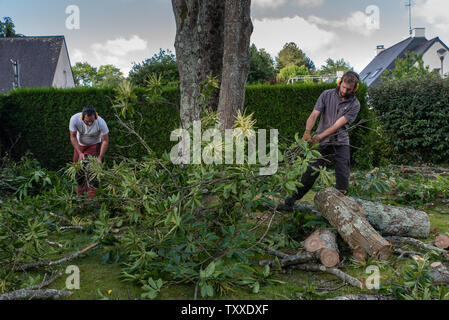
(7,29)
(331,67)
(212,42)
(292,70)
(88,76)
(412,66)
(162,63)
(261,65)
(292,54)
(84,74)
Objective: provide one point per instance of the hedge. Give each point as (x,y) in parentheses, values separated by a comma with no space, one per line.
(415,114)
(41,116)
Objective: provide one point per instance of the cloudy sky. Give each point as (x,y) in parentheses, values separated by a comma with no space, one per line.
(121,32)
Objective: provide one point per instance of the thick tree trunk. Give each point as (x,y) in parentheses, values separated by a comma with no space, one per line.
(199,52)
(347,216)
(396,221)
(237,33)
(324,244)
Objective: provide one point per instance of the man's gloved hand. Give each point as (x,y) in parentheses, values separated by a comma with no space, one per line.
(306,137)
(315,140)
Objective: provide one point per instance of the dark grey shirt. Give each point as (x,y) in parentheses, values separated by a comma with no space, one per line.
(332,108)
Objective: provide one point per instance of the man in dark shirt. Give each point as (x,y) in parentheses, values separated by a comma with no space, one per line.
(338,108)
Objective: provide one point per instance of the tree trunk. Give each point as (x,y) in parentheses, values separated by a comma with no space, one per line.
(347,216)
(237,33)
(324,243)
(396,221)
(199,52)
(212,39)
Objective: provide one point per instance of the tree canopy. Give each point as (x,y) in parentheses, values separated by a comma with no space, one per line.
(292,54)
(7,29)
(412,66)
(331,67)
(261,65)
(162,63)
(105,76)
(292,70)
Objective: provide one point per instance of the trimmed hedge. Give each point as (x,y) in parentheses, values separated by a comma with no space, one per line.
(419,131)
(41,117)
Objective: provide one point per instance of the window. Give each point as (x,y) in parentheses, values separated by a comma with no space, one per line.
(375,73)
(364,78)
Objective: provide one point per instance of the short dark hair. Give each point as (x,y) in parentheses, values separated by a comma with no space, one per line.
(89,110)
(351,77)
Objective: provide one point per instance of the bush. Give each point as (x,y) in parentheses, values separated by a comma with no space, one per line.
(41,115)
(415,115)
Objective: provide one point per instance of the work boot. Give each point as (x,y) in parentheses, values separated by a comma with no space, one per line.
(287,205)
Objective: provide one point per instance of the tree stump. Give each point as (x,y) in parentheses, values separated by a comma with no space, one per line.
(396,221)
(324,244)
(348,217)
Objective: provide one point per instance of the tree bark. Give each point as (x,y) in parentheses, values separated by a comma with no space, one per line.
(199,52)
(26,294)
(237,32)
(396,221)
(347,216)
(419,244)
(361,297)
(300,257)
(324,244)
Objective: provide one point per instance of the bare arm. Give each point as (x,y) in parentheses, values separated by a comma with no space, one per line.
(312,120)
(104,147)
(75,144)
(337,125)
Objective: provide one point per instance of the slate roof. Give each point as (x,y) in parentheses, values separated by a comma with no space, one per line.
(37,57)
(386,59)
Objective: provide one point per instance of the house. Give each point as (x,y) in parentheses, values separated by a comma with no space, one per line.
(385,58)
(34,62)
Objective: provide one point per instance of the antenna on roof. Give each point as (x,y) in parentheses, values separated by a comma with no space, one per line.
(409,5)
(15,67)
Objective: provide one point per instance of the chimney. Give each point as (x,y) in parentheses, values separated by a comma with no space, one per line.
(419,33)
(380,48)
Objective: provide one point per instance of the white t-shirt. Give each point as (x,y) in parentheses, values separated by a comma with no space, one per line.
(88,135)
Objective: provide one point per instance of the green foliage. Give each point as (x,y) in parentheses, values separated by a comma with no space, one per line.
(331,67)
(292,70)
(406,68)
(292,54)
(7,29)
(415,118)
(370,184)
(261,65)
(88,76)
(163,63)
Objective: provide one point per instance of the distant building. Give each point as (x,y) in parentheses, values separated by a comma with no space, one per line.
(417,43)
(34,62)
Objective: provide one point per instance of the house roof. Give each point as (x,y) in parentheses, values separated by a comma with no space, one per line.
(37,57)
(387,58)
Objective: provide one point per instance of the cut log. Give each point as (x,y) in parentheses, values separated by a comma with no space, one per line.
(442,241)
(348,217)
(359,254)
(396,221)
(440,273)
(313,242)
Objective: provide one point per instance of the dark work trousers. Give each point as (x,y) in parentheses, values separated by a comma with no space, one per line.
(341,156)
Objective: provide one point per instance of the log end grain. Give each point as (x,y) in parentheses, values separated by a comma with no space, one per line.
(442,241)
(329,257)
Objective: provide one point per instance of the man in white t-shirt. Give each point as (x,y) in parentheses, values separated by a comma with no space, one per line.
(89,135)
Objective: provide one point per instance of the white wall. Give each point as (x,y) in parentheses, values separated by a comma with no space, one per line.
(432,60)
(63,77)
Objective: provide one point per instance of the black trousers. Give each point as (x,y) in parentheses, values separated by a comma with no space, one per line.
(341,157)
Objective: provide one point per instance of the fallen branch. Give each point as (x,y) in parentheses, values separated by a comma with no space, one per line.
(52,263)
(417,243)
(334,271)
(300,257)
(26,294)
(361,297)
(45,283)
